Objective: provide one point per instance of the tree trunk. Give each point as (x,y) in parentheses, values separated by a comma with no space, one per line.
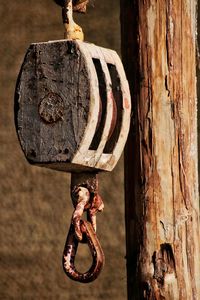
(162,197)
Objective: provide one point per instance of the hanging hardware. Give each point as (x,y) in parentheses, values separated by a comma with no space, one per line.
(84,192)
(72,114)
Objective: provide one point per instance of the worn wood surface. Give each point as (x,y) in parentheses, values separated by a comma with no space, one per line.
(52,102)
(72,106)
(162,198)
(106,147)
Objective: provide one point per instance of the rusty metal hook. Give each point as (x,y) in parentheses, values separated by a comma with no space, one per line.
(70,250)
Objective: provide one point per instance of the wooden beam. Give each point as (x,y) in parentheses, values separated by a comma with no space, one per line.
(161,178)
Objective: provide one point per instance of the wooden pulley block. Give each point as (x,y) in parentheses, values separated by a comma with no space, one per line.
(72,106)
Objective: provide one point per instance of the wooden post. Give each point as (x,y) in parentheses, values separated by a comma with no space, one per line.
(162,198)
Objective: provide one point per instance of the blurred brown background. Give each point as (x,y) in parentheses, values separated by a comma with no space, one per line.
(35,202)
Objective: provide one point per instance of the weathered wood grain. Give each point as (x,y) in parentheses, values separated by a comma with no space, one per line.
(72,113)
(162,198)
(52,102)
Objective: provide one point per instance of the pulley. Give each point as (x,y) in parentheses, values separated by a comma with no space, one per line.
(72,113)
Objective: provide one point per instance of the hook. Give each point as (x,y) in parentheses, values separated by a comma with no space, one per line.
(70,252)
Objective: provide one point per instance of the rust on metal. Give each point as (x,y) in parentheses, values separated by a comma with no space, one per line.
(71,249)
(85,198)
(82,196)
